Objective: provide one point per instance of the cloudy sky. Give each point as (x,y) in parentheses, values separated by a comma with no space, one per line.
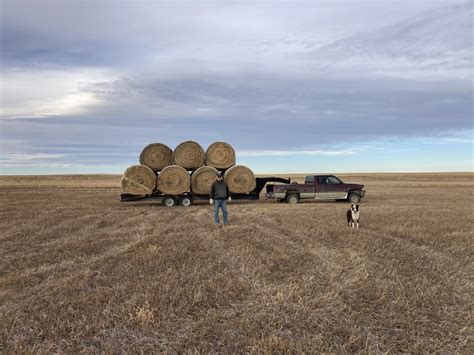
(294,86)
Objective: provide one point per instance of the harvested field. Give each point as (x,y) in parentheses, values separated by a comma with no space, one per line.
(80,270)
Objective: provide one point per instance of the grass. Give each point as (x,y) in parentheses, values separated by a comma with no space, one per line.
(81,271)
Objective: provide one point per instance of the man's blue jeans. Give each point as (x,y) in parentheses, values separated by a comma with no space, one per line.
(222,204)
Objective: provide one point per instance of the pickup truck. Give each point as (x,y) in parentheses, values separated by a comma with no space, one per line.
(317,187)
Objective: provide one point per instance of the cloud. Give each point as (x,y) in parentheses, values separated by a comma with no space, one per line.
(67,33)
(253,111)
(270,78)
(435,43)
(32,160)
(38,94)
(31,157)
(288,153)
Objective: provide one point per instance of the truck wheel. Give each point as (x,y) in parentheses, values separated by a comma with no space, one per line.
(353,198)
(170,201)
(292,199)
(186,201)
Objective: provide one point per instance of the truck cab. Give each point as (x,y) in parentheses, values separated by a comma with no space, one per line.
(317,187)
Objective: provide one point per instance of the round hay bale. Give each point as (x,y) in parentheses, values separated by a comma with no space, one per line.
(220,155)
(240,179)
(189,155)
(173,180)
(157,156)
(138,180)
(202,179)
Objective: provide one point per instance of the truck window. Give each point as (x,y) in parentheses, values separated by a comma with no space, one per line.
(333,180)
(309,180)
(321,180)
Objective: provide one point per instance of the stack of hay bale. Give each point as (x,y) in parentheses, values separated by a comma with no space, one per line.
(187,168)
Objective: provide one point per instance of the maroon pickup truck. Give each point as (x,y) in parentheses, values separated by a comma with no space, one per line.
(317,187)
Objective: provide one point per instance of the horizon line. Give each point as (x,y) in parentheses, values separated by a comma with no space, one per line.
(256,173)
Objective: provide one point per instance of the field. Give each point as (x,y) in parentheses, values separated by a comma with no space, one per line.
(81,271)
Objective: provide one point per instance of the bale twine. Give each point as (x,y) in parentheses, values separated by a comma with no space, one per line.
(220,155)
(240,179)
(189,155)
(138,180)
(157,156)
(202,179)
(173,180)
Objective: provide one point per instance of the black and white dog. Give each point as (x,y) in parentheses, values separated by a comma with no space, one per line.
(353,216)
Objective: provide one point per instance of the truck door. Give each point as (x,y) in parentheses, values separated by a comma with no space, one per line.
(308,189)
(335,189)
(320,187)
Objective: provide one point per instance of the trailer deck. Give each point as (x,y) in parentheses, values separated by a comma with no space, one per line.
(187,199)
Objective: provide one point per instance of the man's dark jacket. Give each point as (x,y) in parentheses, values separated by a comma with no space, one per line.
(219,191)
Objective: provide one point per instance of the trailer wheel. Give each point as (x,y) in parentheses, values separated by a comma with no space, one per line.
(292,199)
(170,201)
(186,201)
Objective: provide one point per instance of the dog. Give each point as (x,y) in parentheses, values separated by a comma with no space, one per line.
(353,215)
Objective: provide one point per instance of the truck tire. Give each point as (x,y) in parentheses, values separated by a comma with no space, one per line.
(353,198)
(170,201)
(186,201)
(292,199)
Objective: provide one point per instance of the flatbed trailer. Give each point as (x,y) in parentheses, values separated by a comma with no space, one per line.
(188,198)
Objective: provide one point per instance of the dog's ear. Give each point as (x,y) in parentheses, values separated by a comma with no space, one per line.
(357,206)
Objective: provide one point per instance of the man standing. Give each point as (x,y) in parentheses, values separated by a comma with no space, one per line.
(218,197)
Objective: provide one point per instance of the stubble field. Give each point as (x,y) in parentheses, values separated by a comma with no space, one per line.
(81,271)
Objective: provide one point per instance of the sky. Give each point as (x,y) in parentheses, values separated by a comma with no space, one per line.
(294,86)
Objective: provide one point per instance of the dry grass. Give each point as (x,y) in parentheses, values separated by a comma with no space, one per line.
(81,271)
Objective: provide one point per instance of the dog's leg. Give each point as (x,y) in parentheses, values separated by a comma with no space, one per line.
(357,224)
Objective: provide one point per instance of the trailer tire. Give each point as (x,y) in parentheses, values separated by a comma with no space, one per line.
(186,201)
(170,201)
(292,199)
